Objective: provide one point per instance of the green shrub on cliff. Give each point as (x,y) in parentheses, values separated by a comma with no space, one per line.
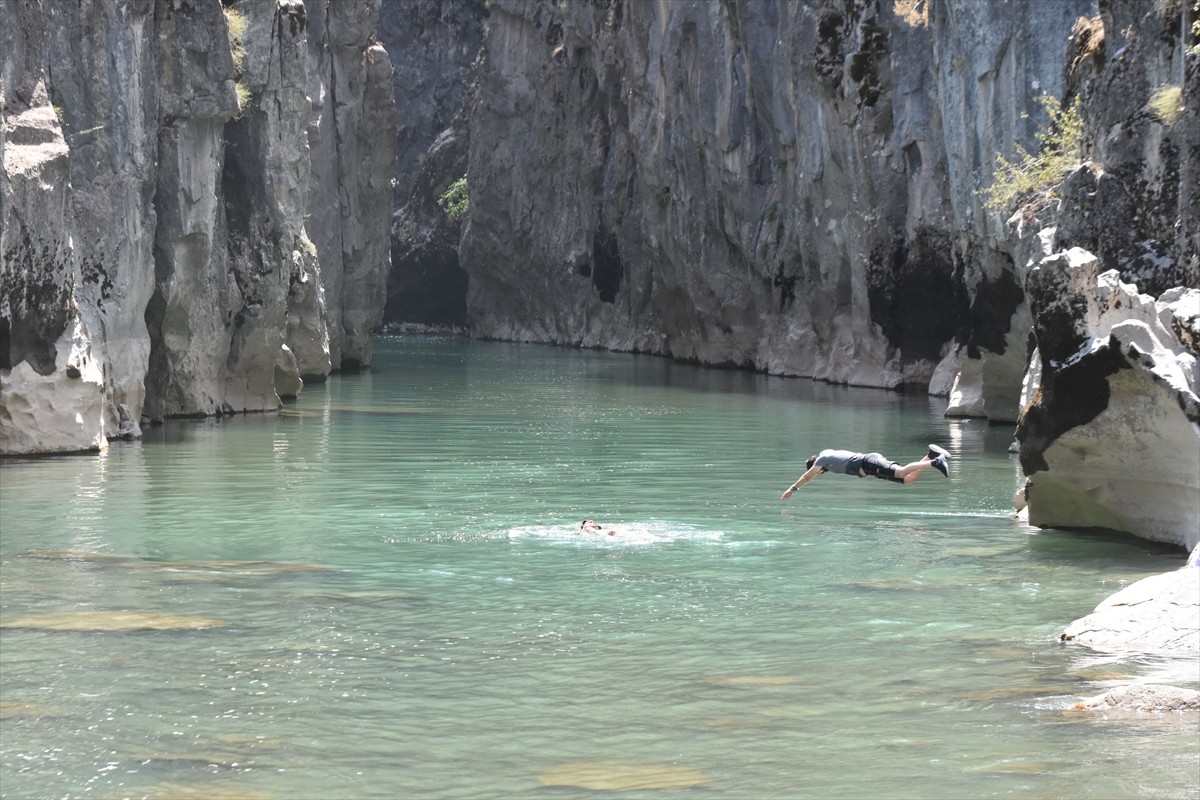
(1035,177)
(455,201)
(1195,48)
(236,22)
(1166,104)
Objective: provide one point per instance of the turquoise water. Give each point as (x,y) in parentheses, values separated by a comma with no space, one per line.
(406,610)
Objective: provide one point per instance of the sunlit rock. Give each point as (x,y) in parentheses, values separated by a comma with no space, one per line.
(1159,614)
(1110,437)
(63,411)
(51,383)
(155,249)
(288,382)
(1140,699)
(110,622)
(617,776)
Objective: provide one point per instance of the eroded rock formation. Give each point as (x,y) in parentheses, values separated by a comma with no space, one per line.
(1110,437)
(195,195)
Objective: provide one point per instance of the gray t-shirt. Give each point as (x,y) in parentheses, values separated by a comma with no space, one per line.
(841,461)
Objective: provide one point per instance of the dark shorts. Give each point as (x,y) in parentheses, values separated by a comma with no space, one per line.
(877,466)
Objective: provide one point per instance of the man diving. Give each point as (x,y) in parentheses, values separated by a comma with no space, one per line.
(845,462)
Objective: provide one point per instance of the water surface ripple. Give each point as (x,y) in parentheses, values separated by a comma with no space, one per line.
(380,593)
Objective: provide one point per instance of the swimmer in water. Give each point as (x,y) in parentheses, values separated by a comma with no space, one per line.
(591,526)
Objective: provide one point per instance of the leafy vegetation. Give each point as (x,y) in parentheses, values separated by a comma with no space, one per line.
(307,244)
(1035,177)
(913,12)
(1166,104)
(243,95)
(455,201)
(1194,50)
(235,22)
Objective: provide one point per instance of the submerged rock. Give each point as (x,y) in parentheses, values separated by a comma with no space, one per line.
(110,622)
(749,681)
(18,709)
(202,791)
(619,776)
(257,568)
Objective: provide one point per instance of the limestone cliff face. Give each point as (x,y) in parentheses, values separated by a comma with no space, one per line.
(435,45)
(170,241)
(1137,204)
(353,142)
(789,187)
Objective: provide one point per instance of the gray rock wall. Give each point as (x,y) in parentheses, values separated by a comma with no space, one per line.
(167,245)
(352,135)
(1137,206)
(789,187)
(434,46)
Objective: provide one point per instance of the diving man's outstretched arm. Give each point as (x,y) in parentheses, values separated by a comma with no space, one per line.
(812,472)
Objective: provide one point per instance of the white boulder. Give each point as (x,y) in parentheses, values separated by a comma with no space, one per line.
(1110,436)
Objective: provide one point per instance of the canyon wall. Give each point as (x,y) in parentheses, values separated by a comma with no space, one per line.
(796,187)
(194,205)
(435,46)
(787,187)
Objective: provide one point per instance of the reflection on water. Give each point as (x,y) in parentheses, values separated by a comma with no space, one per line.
(406,606)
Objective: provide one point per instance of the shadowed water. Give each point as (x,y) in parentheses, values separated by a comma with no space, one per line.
(381,593)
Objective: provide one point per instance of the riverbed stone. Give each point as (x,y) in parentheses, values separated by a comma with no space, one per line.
(1139,699)
(617,776)
(110,622)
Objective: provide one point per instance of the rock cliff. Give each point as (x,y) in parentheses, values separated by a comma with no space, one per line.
(435,47)
(797,188)
(788,187)
(193,200)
